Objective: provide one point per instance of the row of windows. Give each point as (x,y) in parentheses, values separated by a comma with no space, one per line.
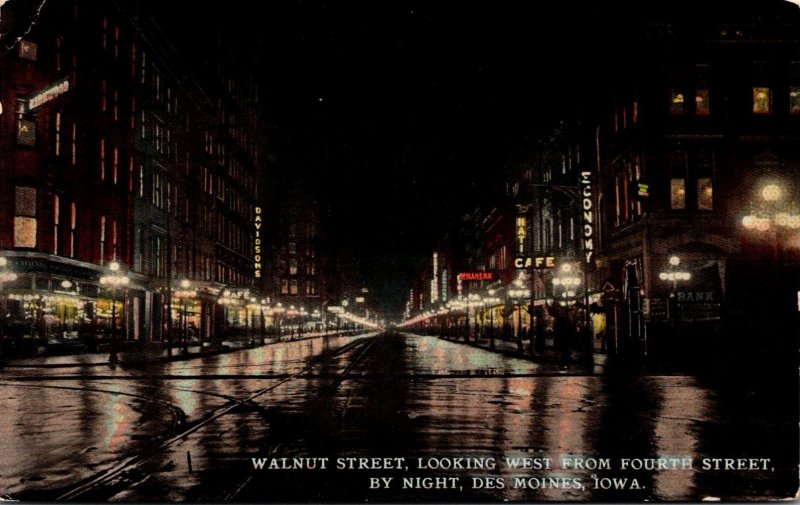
(763,94)
(291,267)
(291,287)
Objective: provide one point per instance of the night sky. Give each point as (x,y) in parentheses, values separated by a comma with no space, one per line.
(399,117)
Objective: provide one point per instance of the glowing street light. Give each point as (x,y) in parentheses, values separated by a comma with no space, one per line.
(674,275)
(114,280)
(184,292)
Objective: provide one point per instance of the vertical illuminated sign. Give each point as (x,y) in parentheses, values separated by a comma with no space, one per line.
(588,220)
(257,222)
(444,285)
(435,278)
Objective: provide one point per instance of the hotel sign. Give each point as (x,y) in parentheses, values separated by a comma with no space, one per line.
(40,98)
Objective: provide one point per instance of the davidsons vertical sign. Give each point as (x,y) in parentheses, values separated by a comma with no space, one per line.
(257,222)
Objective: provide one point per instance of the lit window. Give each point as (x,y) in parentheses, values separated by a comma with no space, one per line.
(58,134)
(56,218)
(102,159)
(102,240)
(284,286)
(677,103)
(26,131)
(293,287)
(761,100)
(794,100)
(701,102)
(705,193)
(24,217)
(74,143)
(28,50)
(73,220)
(293,267)
(678,193)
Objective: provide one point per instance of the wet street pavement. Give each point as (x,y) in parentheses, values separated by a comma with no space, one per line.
(327,419)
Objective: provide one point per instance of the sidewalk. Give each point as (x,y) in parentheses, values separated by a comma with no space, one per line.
(549,354)
(155,354)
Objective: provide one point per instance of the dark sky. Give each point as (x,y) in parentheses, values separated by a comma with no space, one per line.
(400,116)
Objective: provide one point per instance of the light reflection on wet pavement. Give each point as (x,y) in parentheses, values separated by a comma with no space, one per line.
(416,397)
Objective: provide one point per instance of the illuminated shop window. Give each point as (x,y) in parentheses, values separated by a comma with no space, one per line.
(678,193)
(761,100)
(24,217)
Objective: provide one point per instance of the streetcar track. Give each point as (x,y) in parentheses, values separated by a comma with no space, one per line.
(127,465)
(178,415)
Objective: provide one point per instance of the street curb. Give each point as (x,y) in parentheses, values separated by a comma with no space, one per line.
(517,354)
(177,356)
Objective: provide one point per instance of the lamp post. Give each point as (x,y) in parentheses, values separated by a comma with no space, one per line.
(775,214)
(183,293)
(518,294)
(770,215)
(6,276)
(565,285)
(263,321)
(673,275)
(113,280)
(491,302)
(278,310)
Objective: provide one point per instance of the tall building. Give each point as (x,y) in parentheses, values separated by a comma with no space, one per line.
(111,153)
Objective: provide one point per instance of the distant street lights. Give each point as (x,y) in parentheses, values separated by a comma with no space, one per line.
(6,276)
(114,280)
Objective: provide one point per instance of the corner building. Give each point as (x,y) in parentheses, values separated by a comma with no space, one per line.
(701,131)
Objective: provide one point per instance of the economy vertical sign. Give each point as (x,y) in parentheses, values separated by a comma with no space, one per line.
(587,210)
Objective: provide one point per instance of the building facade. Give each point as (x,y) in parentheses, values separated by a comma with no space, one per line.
(112,155)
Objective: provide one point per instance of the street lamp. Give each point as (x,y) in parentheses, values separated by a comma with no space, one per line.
(491,302)
(113,280)
(771,216)
(278,309)
(673,275)
(183,294)
(519,293)
(565,287)
(263,321)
